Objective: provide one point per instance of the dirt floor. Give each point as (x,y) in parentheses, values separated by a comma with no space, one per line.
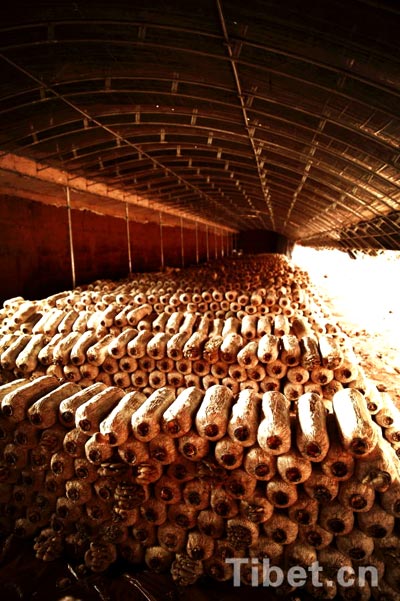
(363,297)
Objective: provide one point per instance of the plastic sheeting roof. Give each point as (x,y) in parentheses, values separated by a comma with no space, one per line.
(275,115)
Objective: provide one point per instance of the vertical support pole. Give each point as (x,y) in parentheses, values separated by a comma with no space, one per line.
(161,243)
(222,245)
(182,245)
(215,243)
(128,238)
(71,240)
(197,242)
(207,245)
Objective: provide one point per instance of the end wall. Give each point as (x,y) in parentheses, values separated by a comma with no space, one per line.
(264,241)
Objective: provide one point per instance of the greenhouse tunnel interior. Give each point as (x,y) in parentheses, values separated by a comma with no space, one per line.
(199,220)
(280,117)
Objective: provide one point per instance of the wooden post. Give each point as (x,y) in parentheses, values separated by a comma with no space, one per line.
(161,242)
(71,240)
(197,242)
(128,237)
(182,245)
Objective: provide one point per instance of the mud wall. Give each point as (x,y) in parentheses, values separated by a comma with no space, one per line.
(35,250)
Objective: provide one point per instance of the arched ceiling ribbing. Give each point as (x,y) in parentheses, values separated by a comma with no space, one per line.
(276,115)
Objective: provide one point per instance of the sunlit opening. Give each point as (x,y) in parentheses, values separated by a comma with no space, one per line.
(365,291)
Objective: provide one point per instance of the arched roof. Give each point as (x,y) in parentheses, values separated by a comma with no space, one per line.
(275,115)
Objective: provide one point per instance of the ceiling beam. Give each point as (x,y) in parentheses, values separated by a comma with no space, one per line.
(97,194)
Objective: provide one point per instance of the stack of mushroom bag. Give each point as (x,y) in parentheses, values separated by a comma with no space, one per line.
(215,429)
